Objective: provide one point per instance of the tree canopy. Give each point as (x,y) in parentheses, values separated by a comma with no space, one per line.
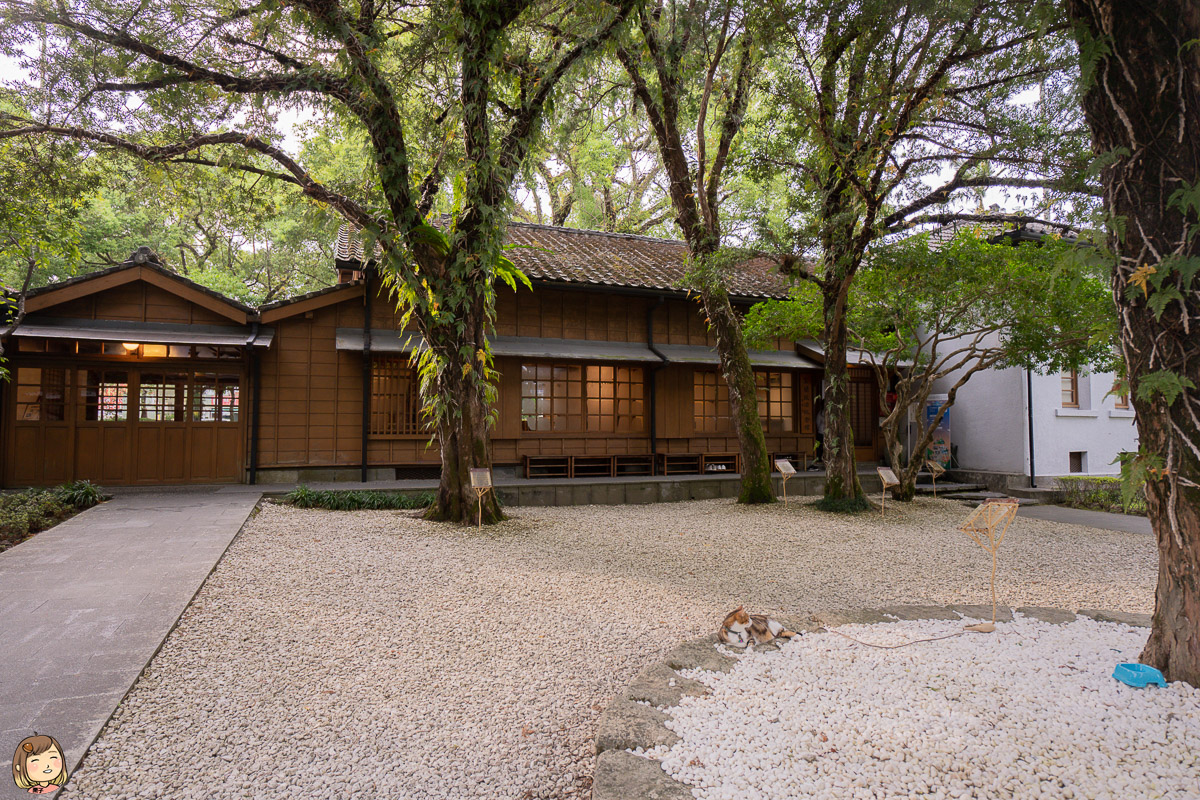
(923,313)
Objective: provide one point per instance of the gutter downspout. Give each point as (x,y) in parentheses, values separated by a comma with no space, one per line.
(1029,412)
(366,385)
(255,391)
(650,309)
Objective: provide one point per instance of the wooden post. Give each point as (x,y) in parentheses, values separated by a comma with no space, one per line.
(887,478)
(786,470)
(936,470)
(991,520)
(481,482)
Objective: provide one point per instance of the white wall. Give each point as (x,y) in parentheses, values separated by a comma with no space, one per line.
(987,420)
(989,423)
(1096,428)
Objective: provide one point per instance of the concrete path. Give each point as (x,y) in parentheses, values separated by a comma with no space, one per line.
(85,605)
(1093,519)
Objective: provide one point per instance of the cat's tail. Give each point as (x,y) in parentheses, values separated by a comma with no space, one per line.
(786,634)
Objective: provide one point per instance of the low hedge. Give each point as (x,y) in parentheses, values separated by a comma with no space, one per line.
(1099,494)
(23,514)
(357,499)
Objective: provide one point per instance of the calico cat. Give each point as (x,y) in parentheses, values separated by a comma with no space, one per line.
(741,629)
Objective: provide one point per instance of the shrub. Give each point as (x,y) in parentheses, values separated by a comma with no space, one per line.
(25,513)
(356,500)
(81,494)
(1099,494)
(845,505)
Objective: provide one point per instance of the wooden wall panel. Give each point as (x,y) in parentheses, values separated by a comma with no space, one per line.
(311,401)
(311,394)
(137,302)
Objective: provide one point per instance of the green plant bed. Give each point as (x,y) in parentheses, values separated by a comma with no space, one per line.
(22,514)
(1099,494)
(356,499)
(845,505)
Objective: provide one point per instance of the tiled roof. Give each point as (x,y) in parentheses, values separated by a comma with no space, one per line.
(337,287)
(992,231)
(620,259)
(546,252)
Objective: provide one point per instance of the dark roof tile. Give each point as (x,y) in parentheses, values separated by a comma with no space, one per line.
(550,253)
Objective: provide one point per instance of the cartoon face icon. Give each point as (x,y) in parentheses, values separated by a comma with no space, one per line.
(38,765)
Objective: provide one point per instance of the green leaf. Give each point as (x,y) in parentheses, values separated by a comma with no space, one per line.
(508,272)
(1159,301)
(1136,469)
(1169,384)
(428,235)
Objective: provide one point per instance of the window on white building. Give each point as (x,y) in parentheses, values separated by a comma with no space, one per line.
(1070,389)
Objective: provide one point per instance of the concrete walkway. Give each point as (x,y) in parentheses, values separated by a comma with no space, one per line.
(1129,523)
(85,605)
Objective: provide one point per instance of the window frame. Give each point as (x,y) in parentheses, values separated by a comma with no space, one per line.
(1120,400)
(627,379)
(1069,383)
(410,422)
(762,381)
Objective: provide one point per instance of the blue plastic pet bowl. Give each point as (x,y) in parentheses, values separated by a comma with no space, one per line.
(1139,675)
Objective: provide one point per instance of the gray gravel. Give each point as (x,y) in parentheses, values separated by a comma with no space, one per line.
(372,654)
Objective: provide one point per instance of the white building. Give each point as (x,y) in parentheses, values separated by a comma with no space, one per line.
(1077,427)
(1010,424)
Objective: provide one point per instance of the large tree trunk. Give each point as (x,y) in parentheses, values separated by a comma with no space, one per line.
(463,433)
(841,470)
(743,398)
(1143,106)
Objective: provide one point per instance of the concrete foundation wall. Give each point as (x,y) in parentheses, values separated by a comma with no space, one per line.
(578,492)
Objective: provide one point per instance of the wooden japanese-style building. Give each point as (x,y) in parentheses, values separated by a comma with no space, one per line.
(136,375)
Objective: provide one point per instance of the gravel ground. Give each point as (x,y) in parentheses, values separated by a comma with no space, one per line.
(372,654)
(1031,711)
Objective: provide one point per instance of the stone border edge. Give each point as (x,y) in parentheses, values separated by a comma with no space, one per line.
(632,719)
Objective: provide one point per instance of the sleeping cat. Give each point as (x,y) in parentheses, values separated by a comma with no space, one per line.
(741,629)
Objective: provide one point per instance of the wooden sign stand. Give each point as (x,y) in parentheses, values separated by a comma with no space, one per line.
(481,482)
(936,470)
(786,470)
(887,478)
(991,520)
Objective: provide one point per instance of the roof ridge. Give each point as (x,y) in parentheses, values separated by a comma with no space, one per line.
(591,232)
(130,264)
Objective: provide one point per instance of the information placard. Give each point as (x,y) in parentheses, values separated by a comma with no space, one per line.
(785,466)
(481,478)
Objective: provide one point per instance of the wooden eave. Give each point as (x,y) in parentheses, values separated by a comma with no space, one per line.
(180,287)
(312,302)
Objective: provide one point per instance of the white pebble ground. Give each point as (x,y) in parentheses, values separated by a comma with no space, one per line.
(1030,711)
(338,655)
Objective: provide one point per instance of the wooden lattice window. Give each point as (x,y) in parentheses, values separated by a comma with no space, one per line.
(161,396)
(1070,389)
(710,402)
(614,397)
(41,394)
(864,411)
(776,401)
(552,398)
(395,398)
(215,397)
(104,395)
